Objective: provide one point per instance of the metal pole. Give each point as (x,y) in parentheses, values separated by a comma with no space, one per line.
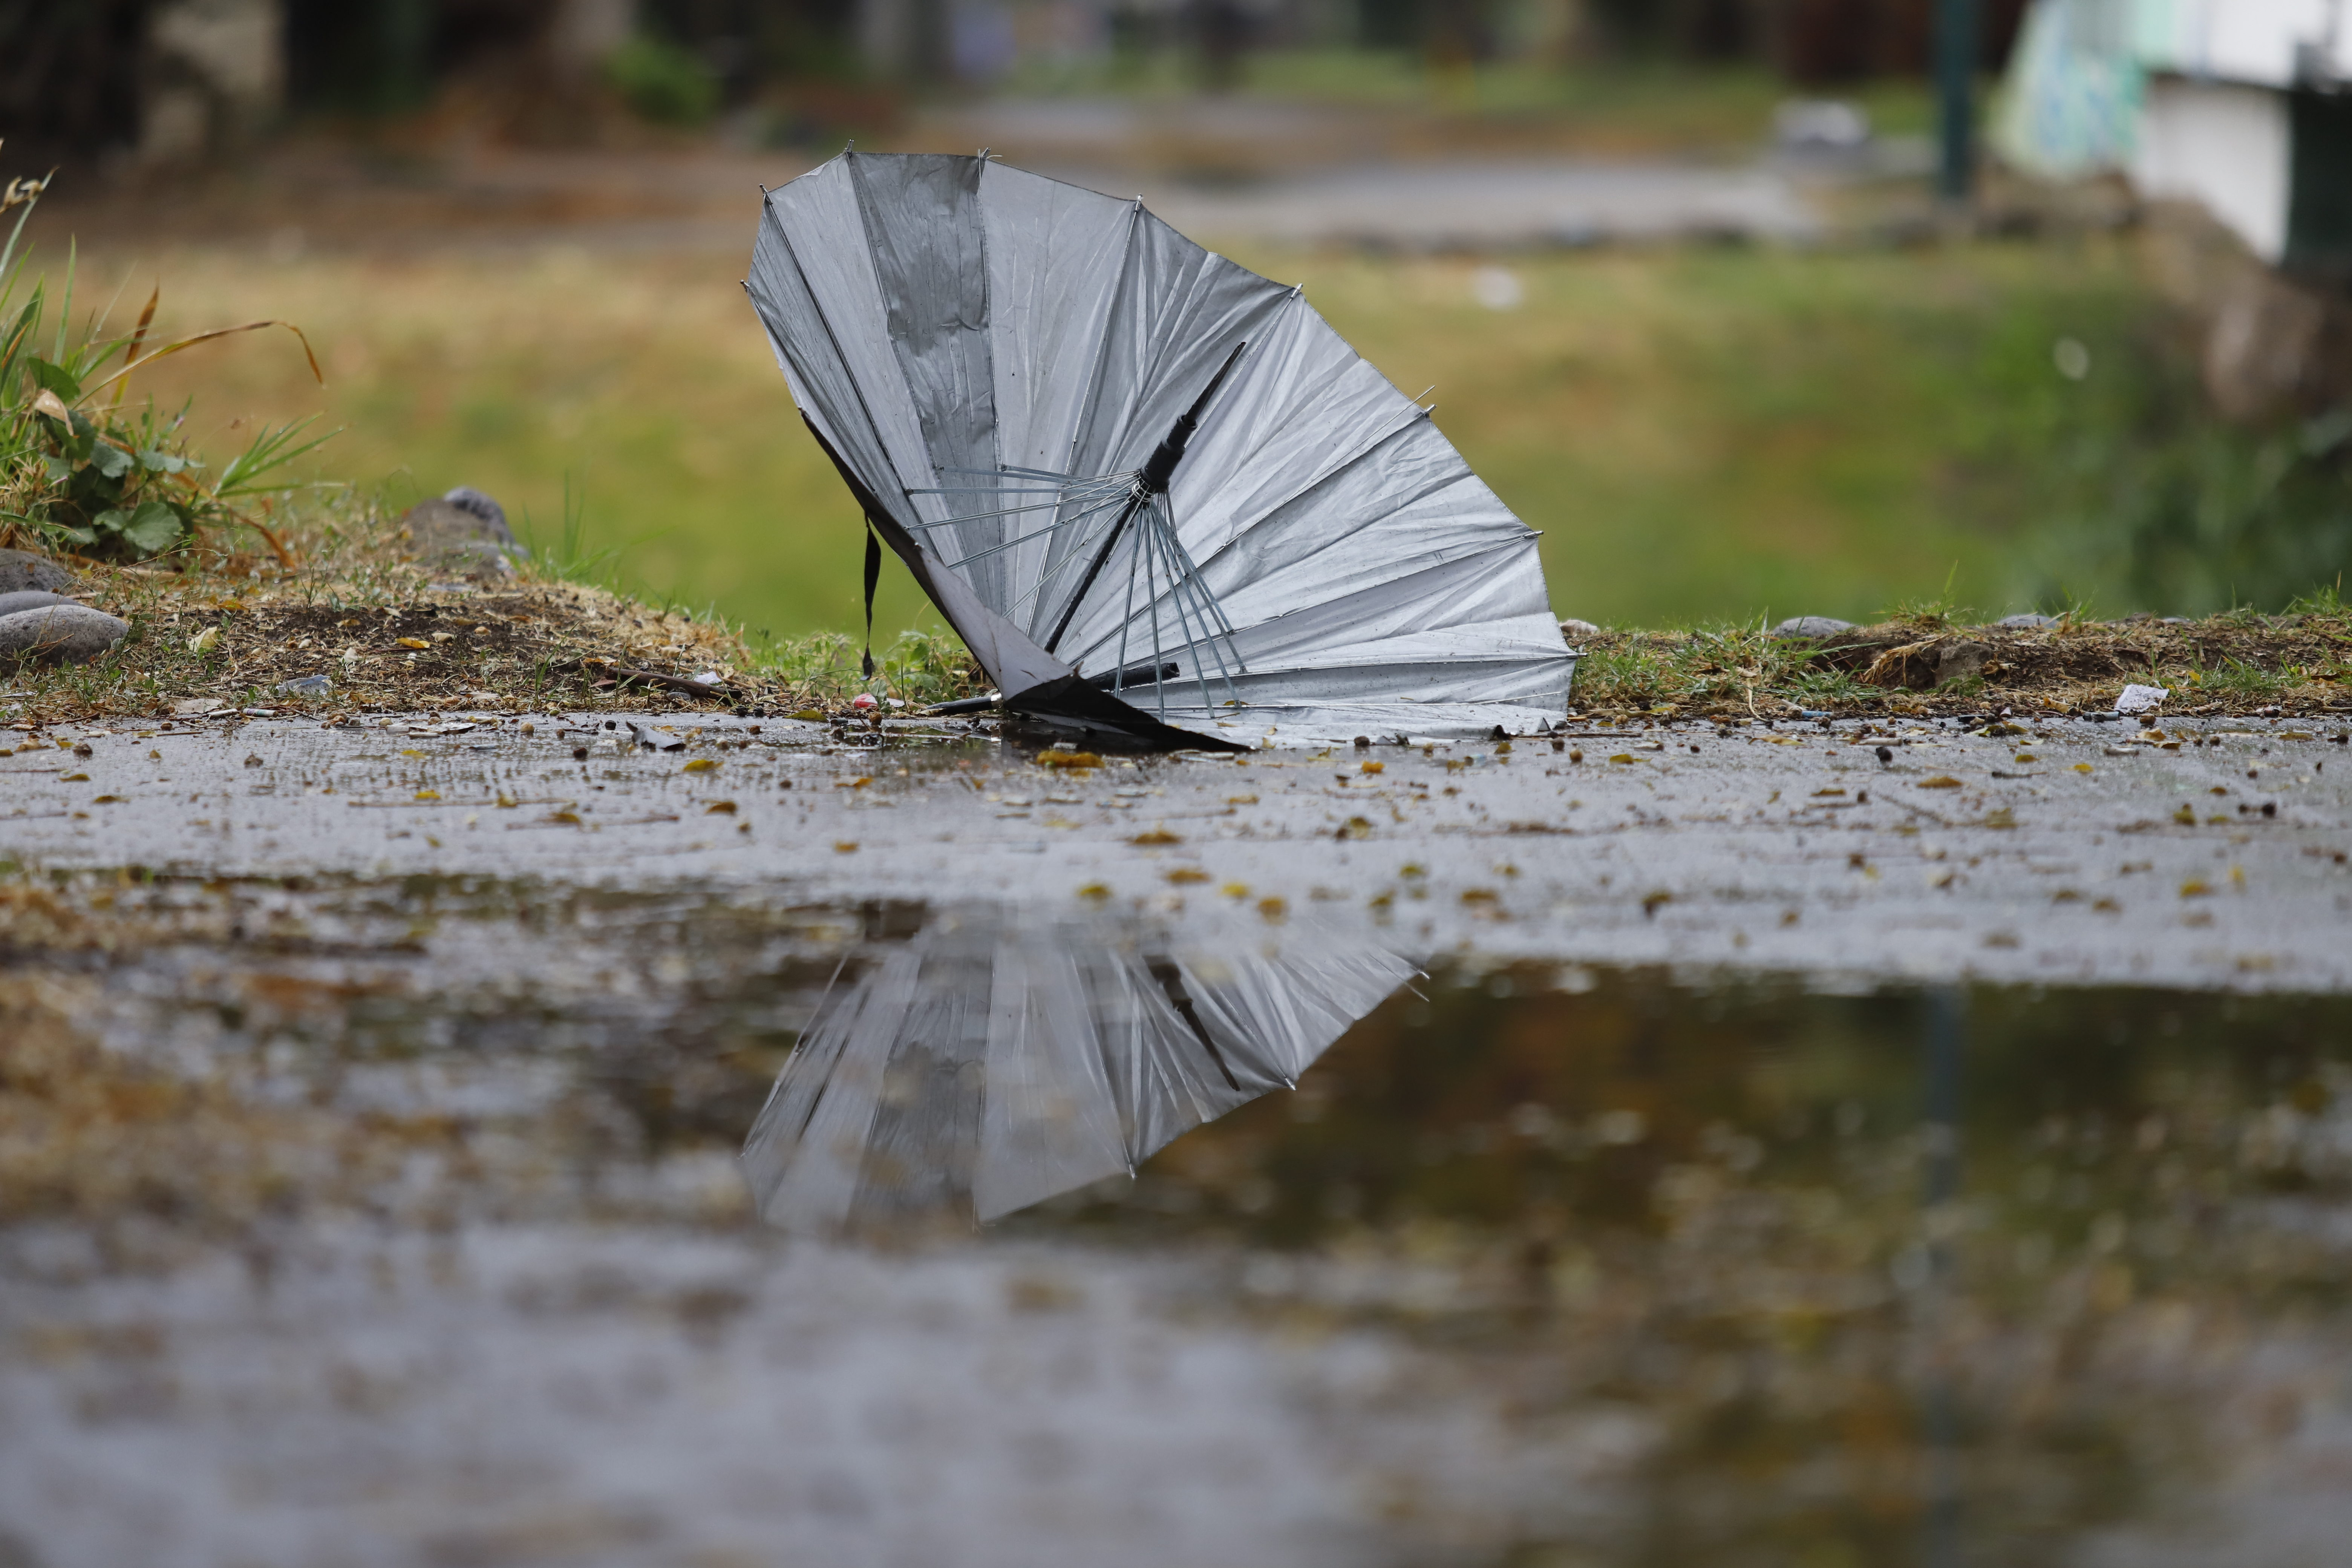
(1956,65)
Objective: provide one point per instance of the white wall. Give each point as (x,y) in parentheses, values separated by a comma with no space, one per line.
(2225,145)
(2256,41)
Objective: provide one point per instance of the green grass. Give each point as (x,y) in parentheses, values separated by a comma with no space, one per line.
(1657,106)
(1701,434)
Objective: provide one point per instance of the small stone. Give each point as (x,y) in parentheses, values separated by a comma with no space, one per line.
(2025,623)
(60,633)
(29,599)
(465,498)
(1957,660)
(1572,627)
(1811,626)
(20,570)
(459,538)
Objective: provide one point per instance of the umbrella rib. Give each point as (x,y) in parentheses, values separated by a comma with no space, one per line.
(1176,599)
(1180,577)
(1058,568)
(1025,538)
(1085,405)
(1009,510)
(1126,620)
(1207,601)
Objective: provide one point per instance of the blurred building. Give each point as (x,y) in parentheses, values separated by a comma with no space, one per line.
(2238,105)
(2241,109)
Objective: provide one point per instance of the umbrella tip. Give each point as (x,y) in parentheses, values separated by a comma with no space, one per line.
(983,154)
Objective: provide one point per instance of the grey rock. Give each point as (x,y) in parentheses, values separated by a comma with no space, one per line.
(1956,659)
(2025,623)
(1811,626)
(461,539)
(21,570)
(29,599)
(467,499)
(60,633)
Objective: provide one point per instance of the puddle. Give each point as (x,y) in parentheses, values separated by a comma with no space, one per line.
(325,1195)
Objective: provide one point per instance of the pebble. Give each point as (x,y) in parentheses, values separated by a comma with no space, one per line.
(465,498)
(1811,626)
(20,570)
(467,535)
(2025,623)
(60,633)
(29,599)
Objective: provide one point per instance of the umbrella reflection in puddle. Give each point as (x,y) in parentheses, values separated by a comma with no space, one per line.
(998,1060)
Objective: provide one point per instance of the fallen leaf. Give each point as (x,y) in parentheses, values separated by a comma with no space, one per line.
(1355,827)
(1241,800)
(844,847)
(2193,889)
(2081,767)
(107,800)
(1094,891)
(413,642)
(1478,895)
(1236,889)
(1372,768)
(1184,875)
(1069,759)
(428,794)
(720,808)
(75,778)
(1272,910)
(204,641)
(571,817)
(1156,837)
(1624,757)
(1941,781)
(702,765)
(845,783)
(1652,903)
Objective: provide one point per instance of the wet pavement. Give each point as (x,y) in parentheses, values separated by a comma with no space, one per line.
(2069,851)
(369,1190)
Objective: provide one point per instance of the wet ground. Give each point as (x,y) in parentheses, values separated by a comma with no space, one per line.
(1758,1173)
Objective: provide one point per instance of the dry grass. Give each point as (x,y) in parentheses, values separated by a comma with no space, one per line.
(389,636)
(2299,663)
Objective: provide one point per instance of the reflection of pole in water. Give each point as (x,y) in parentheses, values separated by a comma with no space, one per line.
(1947,1026)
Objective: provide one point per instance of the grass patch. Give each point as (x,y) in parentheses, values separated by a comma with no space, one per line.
(230,630)
(2233,662)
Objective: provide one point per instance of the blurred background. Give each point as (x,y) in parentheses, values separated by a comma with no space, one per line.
(1716,293)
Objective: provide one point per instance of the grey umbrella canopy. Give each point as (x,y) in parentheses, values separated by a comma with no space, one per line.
(1152,491)
(995,1060)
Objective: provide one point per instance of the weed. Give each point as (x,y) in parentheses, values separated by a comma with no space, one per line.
(79,474)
